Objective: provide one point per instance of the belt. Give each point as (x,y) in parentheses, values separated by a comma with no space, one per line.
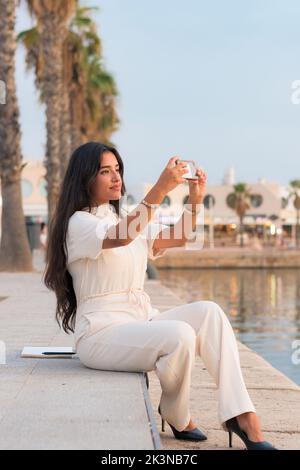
(139,296)
(135,295)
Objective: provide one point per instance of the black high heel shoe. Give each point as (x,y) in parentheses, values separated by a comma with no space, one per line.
(192,435)
(233,426)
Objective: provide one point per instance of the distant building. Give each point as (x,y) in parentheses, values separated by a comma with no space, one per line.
(269,201)
(229,177)
(34,189)
(268,204)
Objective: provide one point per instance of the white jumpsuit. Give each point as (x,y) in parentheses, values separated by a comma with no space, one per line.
(118,329)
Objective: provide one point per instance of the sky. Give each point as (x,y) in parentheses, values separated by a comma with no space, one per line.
(206,81)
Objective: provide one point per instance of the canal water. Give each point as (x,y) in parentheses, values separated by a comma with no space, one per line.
(263,306)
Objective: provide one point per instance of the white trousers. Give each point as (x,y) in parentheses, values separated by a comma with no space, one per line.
(168,344)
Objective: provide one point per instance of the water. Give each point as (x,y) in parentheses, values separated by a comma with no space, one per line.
(263,307)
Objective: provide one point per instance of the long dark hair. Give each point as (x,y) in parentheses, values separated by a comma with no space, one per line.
(75,195)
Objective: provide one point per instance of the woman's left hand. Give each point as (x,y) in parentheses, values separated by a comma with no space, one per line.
(197,187)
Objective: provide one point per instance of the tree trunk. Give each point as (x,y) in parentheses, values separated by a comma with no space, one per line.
(298,229)
(65,131)
(241,232)
(65,124)
(52,30)
(15,254)
(75,100)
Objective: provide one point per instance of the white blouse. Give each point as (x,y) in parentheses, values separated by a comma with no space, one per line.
(100,276)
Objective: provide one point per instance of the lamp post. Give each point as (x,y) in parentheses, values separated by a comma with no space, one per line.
(211,224)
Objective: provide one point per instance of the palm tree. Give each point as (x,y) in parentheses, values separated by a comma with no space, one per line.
(31,39)
(295,194)
(65,124)
(89,91)
(100,119)
(52,17)
(92,88)
(82,41)
(15,252)
(239,201)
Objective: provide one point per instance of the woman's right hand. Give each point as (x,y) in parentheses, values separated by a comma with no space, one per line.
(172,175)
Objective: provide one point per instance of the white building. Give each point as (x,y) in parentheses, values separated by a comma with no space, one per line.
(269,202)
(229,177)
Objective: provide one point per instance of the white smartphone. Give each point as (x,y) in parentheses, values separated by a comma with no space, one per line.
(191,175)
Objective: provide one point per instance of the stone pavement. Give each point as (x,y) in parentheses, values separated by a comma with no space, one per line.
(59,403)
(275,396)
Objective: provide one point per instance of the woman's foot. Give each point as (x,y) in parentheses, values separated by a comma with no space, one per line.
(250,424)
(190,426)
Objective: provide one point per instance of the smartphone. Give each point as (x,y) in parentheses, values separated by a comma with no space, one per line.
(191,175)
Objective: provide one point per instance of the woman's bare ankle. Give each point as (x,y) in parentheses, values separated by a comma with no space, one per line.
(250,424)
(190,426)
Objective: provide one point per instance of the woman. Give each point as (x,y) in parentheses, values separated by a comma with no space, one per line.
(96,264)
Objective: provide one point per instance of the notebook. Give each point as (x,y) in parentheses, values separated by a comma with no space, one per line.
(48,352)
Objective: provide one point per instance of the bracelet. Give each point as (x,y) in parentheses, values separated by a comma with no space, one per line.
(152,206)
(191,211)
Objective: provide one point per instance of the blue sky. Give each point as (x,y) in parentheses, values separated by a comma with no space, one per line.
(208,81)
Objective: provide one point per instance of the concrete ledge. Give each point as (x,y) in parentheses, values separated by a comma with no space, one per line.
(229,258)
(275,396)
(60,403)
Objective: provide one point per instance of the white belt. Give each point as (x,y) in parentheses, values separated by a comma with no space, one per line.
(135,295)
(140,297)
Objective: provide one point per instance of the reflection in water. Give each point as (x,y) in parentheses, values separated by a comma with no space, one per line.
(263,306)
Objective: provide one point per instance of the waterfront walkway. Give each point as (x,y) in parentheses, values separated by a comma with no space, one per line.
(233,257)
(58,403)
(275,396)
